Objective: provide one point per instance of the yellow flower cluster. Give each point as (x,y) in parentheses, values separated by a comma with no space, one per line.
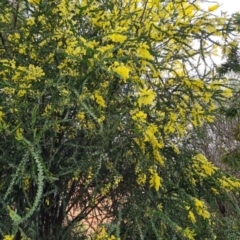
(188,233)
(141,178)
(155,180)
(191,216)
(103,235)
(117,38)
(201,208)
(99,99)
(203,167)
(1,115)
(34,2)
(8,237)
(139,117)
(213,7)
(228,183)
(121,70)
(143,51)
(146,97)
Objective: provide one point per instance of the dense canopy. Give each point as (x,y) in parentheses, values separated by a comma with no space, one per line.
(97,99)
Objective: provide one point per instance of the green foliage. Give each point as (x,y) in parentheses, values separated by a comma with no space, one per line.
(232,54)
(232,62)
(97,99)
(232,158)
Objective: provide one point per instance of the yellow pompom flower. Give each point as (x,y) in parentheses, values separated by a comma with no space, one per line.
(117,38)
(189,234)
(99,99)
(213,8)
(146,97)
(155,180)
(34,2)
(191,217)
(140,117)
(121,70)
(8,237)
